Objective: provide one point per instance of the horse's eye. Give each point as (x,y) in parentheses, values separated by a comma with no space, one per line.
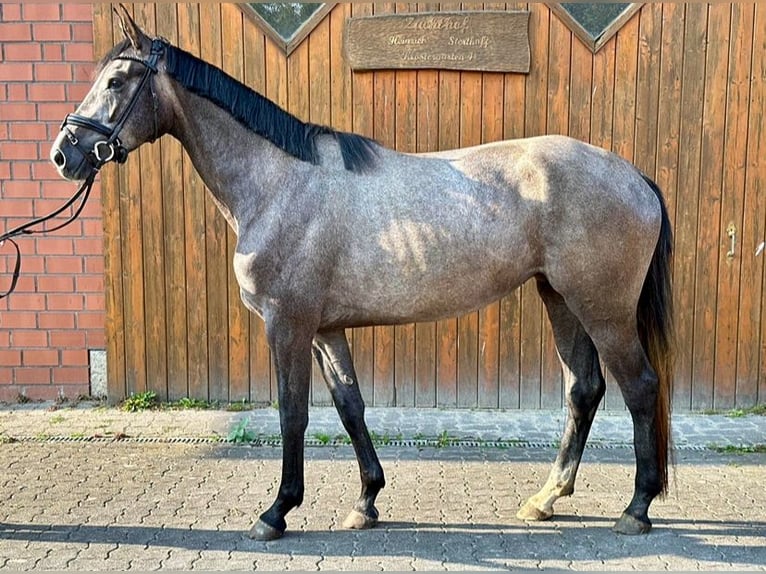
(115,84)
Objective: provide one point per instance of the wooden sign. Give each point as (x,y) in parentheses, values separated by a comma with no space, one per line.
(489,41)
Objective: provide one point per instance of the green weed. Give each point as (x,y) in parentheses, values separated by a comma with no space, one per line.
(322,438)
(342,439)
(241,434)
(383,440)
(731,449)
(188,403)
(444,440)
(758,410)
(140,402)
(239,406)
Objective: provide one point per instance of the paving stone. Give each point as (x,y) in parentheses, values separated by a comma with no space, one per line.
(177,506)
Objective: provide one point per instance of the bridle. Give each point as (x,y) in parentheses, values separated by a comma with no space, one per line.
(103,152)
(111,149)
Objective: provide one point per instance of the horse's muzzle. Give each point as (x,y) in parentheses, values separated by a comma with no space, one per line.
(70,162)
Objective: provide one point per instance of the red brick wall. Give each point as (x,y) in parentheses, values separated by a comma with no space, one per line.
(57,313)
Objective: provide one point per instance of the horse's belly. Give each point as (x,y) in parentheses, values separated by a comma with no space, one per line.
(424,256)
(411,293)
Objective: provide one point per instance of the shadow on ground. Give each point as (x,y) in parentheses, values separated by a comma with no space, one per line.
(467,545)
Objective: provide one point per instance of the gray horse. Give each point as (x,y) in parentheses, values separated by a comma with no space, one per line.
(336,231)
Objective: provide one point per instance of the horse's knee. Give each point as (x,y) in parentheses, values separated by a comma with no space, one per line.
(294,424)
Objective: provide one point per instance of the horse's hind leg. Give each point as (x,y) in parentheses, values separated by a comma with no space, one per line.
(333,356)
(584,389)
(625,358)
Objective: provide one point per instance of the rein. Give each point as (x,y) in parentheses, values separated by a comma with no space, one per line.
(81,194)
(104,151)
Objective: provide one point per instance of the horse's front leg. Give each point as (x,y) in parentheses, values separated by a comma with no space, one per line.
(291,345)
(333,356)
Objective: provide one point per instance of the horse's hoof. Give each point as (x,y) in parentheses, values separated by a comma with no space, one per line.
(530,513)
(631,526)
(358,521)
(263,532)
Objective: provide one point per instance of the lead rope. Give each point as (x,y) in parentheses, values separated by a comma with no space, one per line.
(81,194)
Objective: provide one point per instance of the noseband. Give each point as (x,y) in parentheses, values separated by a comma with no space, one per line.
(111,149)
(104,151)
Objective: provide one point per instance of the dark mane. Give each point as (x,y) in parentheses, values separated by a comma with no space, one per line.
(262,115)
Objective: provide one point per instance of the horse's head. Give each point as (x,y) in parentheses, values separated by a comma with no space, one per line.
(122,110)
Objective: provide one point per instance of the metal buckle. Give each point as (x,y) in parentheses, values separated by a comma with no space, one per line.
(97,153)
(71,137)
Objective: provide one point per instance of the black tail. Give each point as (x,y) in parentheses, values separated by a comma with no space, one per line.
(655,329)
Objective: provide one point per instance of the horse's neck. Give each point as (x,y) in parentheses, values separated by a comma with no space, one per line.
(235,163)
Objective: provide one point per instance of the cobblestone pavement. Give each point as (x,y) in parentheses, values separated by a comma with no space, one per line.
(690,431)
(154,501)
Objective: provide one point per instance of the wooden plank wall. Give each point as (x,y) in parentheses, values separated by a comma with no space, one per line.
(679,91)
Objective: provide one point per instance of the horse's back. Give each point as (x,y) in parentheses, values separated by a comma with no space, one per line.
(569,187)
(431,235)
(566,193)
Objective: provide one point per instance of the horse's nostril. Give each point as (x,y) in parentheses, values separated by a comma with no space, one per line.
(59,158)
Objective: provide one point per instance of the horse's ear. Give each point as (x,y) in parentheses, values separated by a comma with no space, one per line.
(130,28)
